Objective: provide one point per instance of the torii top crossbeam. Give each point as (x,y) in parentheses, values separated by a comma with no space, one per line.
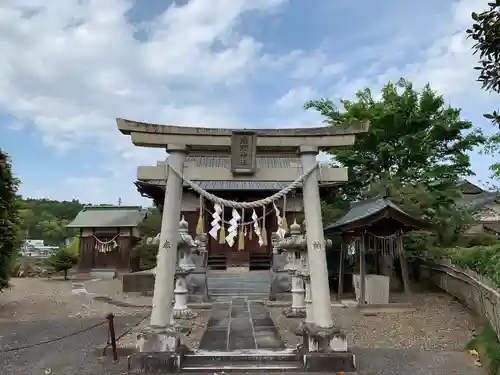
(326,137)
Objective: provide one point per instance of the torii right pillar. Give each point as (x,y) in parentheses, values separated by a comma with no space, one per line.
(325,345)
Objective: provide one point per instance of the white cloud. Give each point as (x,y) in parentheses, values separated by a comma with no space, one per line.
(297,97)
(445,60)
(314,65)
(73,67)
(68,69)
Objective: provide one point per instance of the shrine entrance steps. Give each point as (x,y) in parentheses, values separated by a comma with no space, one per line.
(241,337)
(250,284)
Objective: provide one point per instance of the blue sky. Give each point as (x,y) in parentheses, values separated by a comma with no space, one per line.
(69,68)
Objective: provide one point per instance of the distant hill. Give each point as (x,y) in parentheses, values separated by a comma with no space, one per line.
(46,219)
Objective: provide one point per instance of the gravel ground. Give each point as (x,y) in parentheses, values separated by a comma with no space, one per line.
(35,310)
(440,323)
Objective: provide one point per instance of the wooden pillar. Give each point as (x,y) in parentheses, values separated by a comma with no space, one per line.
(362,270)
(340,290)
(404,268)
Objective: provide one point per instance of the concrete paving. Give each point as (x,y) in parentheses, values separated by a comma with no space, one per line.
(240,324)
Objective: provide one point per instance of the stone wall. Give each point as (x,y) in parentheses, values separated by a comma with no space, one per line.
(477,292)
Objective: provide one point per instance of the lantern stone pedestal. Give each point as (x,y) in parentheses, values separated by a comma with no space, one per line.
(294,245)
(185,266)
(181,309)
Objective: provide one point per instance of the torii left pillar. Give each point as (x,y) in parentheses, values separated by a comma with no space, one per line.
(161,335)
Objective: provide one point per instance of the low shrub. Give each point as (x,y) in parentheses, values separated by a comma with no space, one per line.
(147,254)
(484,259)
(63,260)
(487,345)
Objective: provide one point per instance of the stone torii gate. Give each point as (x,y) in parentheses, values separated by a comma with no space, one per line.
(243,145)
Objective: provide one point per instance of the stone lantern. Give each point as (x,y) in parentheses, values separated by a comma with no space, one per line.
(294,246)
(185,266)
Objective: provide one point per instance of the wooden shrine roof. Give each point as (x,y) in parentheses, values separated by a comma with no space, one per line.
(366,213)
(108,217)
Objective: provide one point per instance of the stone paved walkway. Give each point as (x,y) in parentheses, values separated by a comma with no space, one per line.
(240,324)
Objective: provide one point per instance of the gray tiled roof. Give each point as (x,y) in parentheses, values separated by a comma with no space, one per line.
(108,217)
(363,209)
(228,185)
(220,161)
(474,201)
(493,226)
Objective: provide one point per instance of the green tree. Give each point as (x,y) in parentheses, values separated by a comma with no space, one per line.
(46,219)
(413,137)
(9,220)
(151,225)
(485,32)
(433,203)
(63,260)
(415,149)
(148,229)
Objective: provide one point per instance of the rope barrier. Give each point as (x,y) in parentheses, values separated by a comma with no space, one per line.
(255,204)
(105,242)
(50,341)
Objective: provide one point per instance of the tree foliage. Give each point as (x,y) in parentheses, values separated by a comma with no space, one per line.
(435,203)
(413,137)
(9,219)
(485,32)
(46,219)
(415,150)
(151,225)
(148,229)
(63,260)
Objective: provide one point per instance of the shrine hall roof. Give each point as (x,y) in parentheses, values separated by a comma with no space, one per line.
(361,212)
(222,161)
(108,217)
(226,185)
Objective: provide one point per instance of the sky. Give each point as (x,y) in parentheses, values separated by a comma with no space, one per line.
(69,68)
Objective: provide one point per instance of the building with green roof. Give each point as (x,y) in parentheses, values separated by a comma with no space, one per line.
(107,235)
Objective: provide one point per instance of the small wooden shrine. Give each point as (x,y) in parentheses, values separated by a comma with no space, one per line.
(107,235)
(372,231)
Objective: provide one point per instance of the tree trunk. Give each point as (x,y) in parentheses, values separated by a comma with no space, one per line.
(65,274)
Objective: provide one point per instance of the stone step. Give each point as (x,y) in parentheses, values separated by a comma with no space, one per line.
(242,366)
(236,284)
(246,361)
(238,292)
(249,275)
(246,289)
(253,283)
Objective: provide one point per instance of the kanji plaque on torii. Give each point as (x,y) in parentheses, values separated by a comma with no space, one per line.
(243,152)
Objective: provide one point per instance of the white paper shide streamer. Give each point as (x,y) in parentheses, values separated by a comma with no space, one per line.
(256,227)
(233,228)
(216,221)
(280,232)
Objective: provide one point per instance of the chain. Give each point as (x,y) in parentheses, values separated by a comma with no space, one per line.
(52,340)
(255,204)
(127,331)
